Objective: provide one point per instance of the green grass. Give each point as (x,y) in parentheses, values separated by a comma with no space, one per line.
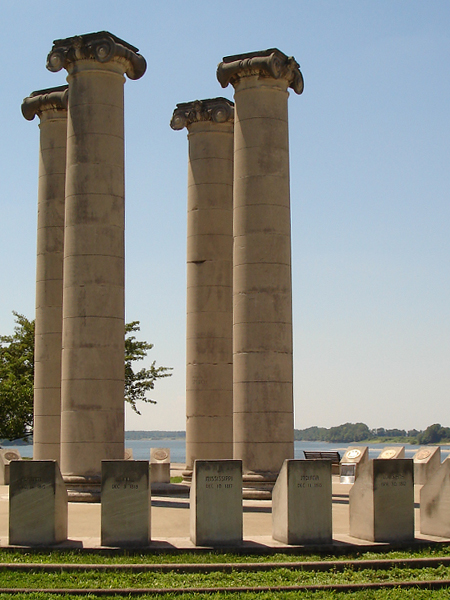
(237,578)
(395,594)
(150,557)
(178,479)
(274,577)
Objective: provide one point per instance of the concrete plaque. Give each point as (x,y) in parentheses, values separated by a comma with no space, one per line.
(351,462)
(392,452)
(6,456)
(216,503)
(382,501)
(427,460)
(435,502)
(126,503)
(128,454)
(301,503)
(37,503)
(160,465)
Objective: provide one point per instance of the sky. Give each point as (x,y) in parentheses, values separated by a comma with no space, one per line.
(370,183)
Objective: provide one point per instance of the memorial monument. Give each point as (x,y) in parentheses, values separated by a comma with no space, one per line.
(209,358)
(263,427)
(51,107)
(37,503)
(216,503)
(92,373)
(435,502)
(427,461)
(302,502)
(381,501)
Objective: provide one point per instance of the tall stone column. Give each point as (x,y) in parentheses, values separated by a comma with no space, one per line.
(209,377)
(92,385)
(262,292)
(51,107)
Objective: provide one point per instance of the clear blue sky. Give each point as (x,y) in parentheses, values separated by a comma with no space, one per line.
(370,183)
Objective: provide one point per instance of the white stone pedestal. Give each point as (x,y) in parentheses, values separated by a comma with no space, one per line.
(435,502)
(382,501)
(216,503)
(126,503)
(427,461)
(301,503)
(37,503)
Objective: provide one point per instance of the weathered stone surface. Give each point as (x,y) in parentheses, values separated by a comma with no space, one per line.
(6,456)
(262,305)
(392,452)
(382,501)
(209,398)
(126,503)
(301,503)
(51,107)
(435,502)
(92,376)
(37,503)
(351,462)
(427,460)
(160,465)
(216,503)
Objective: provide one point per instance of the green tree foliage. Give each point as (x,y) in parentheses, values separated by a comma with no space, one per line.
(139,383)
(17,376)
(348,432)
(434,434)
(17,380)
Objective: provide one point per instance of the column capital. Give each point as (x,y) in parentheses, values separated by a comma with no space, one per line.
(49,99)
(216,110)
(266,63)
(102,47)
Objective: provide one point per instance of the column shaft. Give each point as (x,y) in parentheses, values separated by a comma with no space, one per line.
(51,107)
(92,386)
(209,389)
(262,306)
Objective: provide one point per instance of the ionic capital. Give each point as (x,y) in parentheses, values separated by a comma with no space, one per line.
(217,110)
(102,47)
(50,99)
(267,63)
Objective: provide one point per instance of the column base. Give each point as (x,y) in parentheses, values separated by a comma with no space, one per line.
(83,489)
(258,486)
(187,476)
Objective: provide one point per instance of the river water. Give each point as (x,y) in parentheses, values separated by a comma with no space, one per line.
(141,449)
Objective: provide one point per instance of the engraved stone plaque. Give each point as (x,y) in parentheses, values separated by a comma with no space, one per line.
(382,501)
(393,452)
(6,456)
(355,456)
(160,465)
(216,503)
(126,503)
(426,462)
(37,503)
(301,503)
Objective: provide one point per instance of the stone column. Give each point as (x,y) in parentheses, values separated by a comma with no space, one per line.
(51,107)
(92,385)
(209,377)
(262,294)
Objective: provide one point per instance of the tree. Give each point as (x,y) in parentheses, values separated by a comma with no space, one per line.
(137,384)
(17,376)
(17,380)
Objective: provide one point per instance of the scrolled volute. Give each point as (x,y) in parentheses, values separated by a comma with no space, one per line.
(216,110)
(101,47)
(50,99)
(267,63)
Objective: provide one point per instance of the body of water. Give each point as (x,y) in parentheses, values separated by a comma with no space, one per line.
(141,449)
